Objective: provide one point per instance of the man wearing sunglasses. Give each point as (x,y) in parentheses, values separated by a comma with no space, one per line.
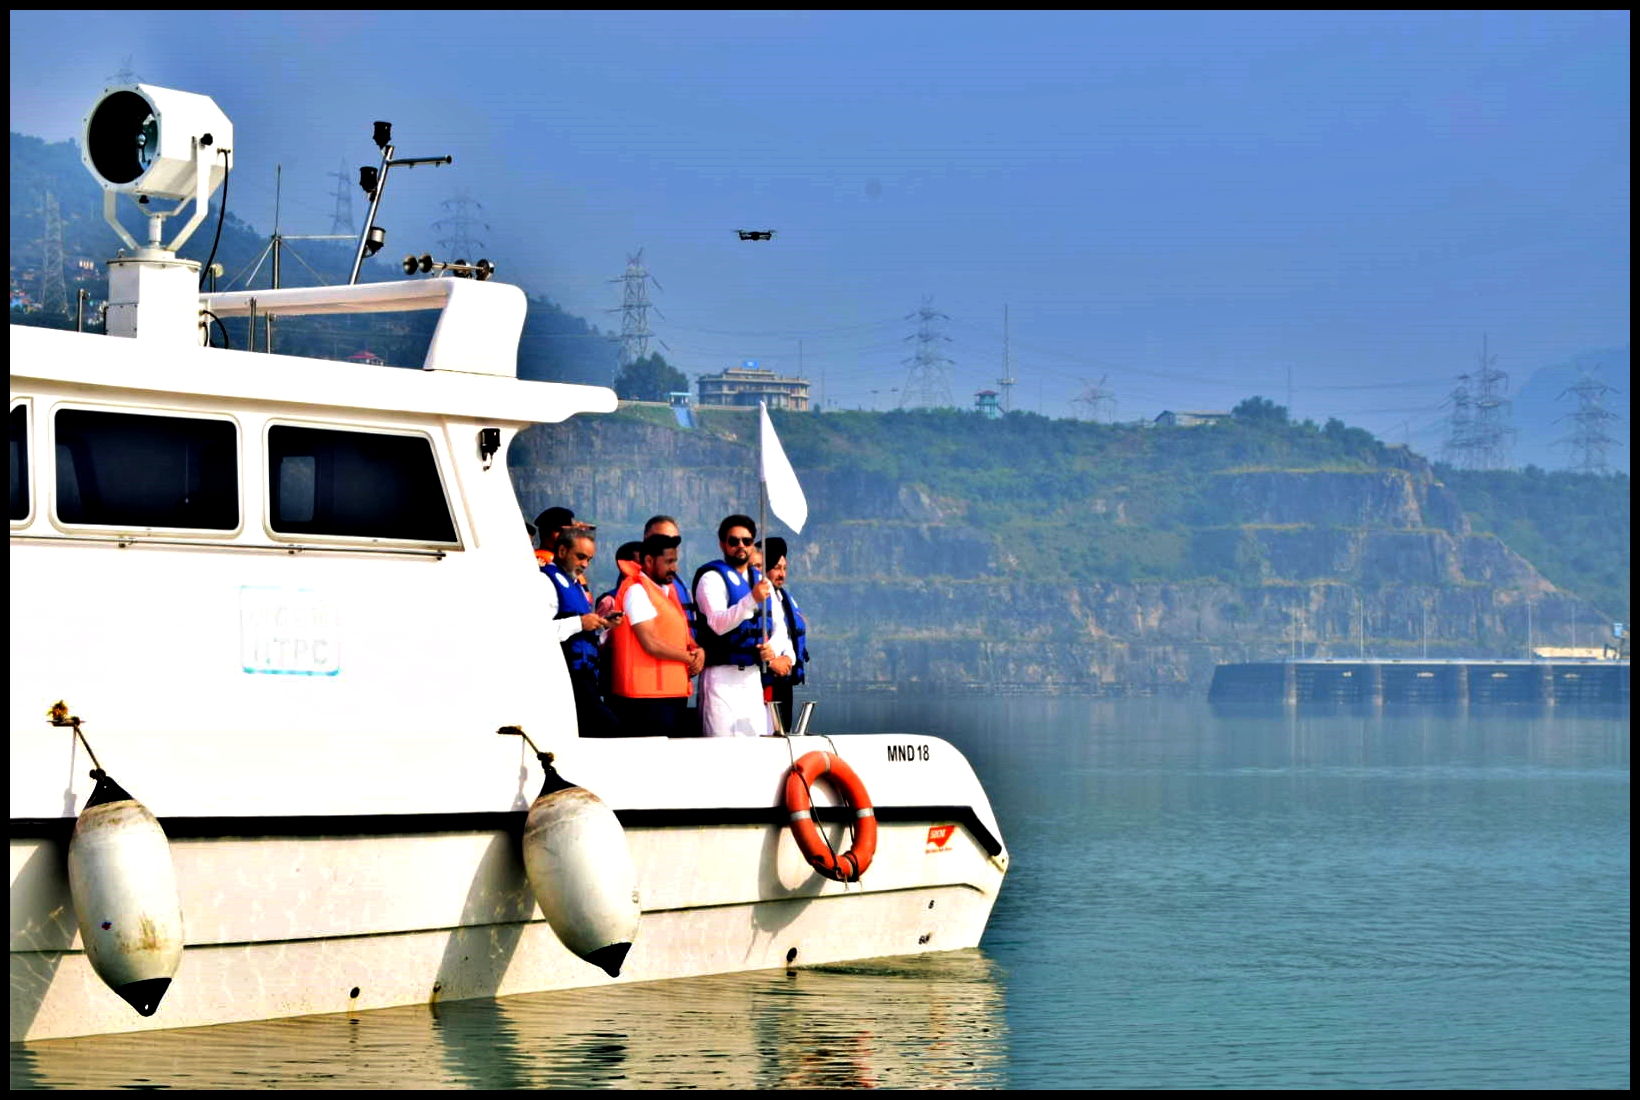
(729,596)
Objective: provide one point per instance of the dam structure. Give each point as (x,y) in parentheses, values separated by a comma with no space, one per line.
(1376,682)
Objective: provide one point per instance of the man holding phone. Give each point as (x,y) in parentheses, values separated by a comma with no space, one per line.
(576,627)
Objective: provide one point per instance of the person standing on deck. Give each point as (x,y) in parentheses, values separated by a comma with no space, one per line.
(666,525)
(548,526)
(576,626)
(788,632)
(728,596)
(653,657)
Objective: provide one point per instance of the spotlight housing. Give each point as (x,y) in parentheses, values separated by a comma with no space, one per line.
(140,140)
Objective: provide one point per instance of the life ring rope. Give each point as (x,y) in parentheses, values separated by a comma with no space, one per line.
(811,839)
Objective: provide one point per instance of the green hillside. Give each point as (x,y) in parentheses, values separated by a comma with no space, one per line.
(1110,501)
(1127,503)
(1574,527)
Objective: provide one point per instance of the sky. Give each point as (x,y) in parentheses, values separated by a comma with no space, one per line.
(1178,210)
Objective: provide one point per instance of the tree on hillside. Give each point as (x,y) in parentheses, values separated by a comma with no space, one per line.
(1260,412)
(649,379)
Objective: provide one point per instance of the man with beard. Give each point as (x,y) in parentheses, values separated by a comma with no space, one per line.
(788,634)
(654,657)
(666,525)
(576,627)
(729,593)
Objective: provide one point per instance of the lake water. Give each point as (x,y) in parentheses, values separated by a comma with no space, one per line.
(1195,900)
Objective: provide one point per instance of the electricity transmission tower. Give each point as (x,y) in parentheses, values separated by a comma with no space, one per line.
(634,309)
(460,226)
(1588,441)
(926,383)
(126,75)
(342,220)
(1093,397)
(1459,425)
(1494,436)
(53,294)
(1479,434)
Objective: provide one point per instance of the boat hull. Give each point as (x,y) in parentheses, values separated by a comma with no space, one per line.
(290,926)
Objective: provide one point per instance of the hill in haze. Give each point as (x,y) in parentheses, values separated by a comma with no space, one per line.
(948,550)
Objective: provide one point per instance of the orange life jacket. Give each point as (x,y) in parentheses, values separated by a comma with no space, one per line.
(637,675)
(543,558)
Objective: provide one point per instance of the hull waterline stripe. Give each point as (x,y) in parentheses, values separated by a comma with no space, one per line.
(340,826)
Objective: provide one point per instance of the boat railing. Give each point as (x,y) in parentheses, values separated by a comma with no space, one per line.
(479,327)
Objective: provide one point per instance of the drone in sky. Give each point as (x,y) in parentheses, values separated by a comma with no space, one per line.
(756,234)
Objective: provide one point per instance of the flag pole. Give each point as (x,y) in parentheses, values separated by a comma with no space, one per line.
(762,517)
(762,526)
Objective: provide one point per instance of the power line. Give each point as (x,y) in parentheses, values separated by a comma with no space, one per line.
(794,334)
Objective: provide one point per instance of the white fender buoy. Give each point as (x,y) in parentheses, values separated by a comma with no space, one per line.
(125,895)
(581,870)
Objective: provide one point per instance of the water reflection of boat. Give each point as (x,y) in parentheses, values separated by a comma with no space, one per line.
(929,1021)
(294,602)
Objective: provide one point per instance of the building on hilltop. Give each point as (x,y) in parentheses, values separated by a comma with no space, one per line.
(747,384)
(985,402)
(1183,419)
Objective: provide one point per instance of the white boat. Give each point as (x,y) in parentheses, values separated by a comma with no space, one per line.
(291,602)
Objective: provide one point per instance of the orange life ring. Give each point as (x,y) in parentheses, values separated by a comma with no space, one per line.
(849,866)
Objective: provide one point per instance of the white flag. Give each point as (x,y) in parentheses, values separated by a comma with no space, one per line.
(785,495)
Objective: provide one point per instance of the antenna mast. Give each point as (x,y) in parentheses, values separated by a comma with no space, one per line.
(373,181)
(1007,382)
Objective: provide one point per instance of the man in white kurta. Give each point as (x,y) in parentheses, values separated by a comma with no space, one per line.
(782,646)
(731,696)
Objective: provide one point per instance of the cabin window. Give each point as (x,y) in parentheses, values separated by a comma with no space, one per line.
(323,481)
(135,470)
(20,496)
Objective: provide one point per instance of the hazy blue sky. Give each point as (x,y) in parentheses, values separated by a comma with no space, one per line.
(1191,204)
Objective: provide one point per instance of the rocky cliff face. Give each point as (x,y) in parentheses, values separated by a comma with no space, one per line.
(902,592)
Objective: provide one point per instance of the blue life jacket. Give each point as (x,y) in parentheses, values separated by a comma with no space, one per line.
(798,628)
(581,650)
(739,646)
(686,600)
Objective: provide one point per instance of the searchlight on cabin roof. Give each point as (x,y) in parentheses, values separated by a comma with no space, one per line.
(156,143)
(152,144)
